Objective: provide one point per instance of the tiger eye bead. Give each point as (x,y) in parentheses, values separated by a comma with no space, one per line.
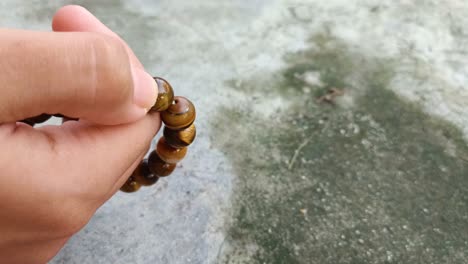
(130,186)
(170,154)
(159,166)
(143,175)
(180,114)
(165,95)
(180,138)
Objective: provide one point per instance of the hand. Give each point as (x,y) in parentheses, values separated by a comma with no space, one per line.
(53,178)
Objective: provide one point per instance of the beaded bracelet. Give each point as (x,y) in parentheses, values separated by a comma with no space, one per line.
(178,115)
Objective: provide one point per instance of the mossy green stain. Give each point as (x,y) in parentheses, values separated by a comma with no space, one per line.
(390,191)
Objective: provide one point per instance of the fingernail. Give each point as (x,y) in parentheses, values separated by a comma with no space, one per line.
(145,89)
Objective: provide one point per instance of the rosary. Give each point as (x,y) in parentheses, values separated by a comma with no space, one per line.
(178,115)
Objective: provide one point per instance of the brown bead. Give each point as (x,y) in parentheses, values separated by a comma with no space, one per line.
(180,138)
(159,166)
(170,154)
(180,114)
(165,95)
(130,186)
(143,175)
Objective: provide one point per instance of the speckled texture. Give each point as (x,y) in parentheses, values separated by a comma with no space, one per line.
(275,175)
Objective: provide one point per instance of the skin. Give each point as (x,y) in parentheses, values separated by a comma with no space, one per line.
(54,178)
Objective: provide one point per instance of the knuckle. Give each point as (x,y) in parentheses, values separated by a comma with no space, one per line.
(112,79)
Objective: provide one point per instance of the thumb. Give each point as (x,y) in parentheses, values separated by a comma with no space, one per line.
(79,74)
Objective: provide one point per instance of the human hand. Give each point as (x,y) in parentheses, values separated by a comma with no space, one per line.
(53,178)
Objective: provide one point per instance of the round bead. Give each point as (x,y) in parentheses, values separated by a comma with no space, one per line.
(180,114)
(130,186)
(159,166)
(143,175)
(180,138)
(170,154)
(165,95)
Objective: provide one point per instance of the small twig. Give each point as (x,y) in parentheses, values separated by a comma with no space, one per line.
(221,247)
(296,153)
(329,97)
(465,159)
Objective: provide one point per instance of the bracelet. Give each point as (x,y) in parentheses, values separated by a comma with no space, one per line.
(178,115)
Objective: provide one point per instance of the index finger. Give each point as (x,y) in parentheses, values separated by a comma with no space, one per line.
(77,18)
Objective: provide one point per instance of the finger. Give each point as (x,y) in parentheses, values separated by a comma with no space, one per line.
(77,18)
(89,161)
(122,179)
(67,119)
(105,155)
(33,251)
(85,75)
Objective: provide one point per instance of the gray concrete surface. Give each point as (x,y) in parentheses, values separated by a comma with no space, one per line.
(379,176)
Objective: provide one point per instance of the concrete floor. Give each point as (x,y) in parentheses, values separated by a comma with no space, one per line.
(276,175)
